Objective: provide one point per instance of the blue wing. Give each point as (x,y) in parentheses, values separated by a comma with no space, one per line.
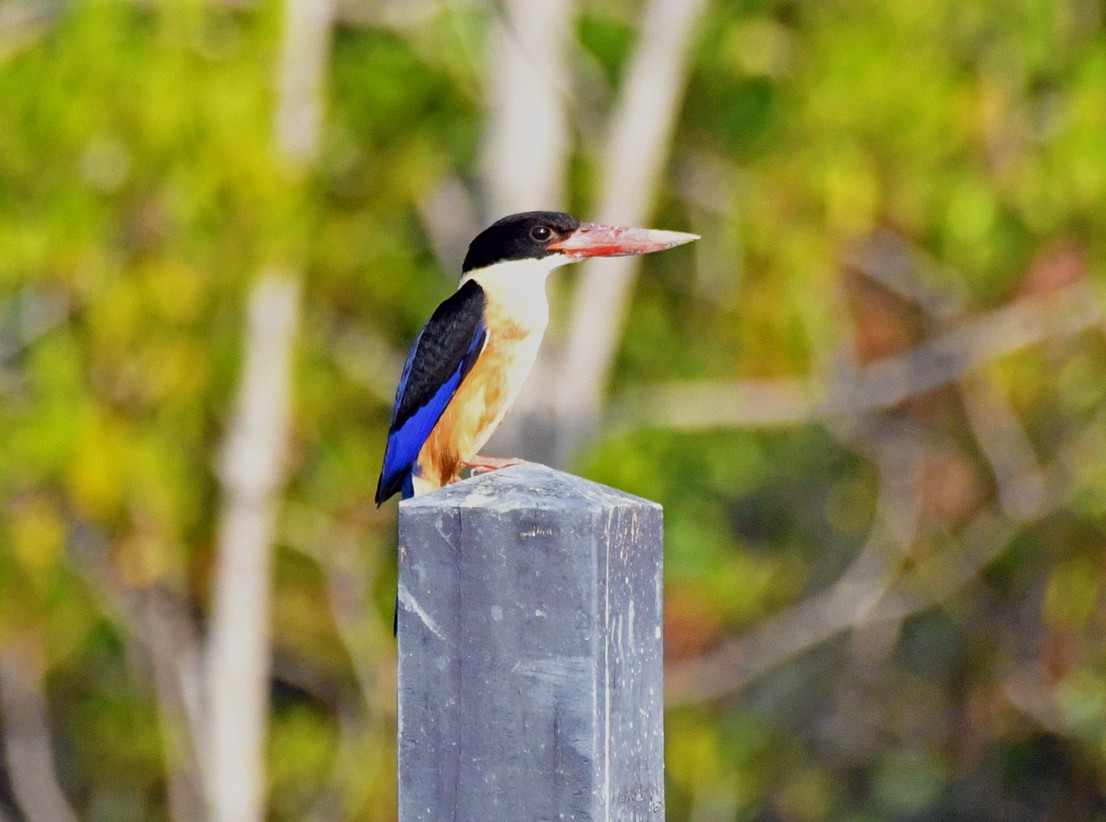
(442,355)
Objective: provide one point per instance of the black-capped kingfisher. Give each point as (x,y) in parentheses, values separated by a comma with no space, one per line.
(469,362)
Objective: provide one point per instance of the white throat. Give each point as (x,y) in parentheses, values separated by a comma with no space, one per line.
(517,288)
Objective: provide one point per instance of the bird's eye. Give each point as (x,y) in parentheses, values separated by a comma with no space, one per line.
(541,233)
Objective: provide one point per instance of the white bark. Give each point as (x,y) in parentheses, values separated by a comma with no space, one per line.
(528,141)
(635,158)
(304,57)
(27,748)
(526,156)
(239,643)
(252,474)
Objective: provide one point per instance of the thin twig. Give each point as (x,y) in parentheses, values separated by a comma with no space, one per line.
(908,271)
(815,620)
(822,616)
(159,624)
(349,572)
(879,385)
(170,641)
(30,315)
(1006,447)
(29,752)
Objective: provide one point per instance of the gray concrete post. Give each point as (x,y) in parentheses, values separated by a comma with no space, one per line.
(529,638)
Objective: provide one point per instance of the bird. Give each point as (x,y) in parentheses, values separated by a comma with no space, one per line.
(469,362)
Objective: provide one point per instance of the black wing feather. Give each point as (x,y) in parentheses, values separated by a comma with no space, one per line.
(443,354)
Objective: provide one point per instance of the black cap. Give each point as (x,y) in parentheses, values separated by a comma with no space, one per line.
(524,236)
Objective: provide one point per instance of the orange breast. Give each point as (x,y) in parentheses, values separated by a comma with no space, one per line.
(480,404)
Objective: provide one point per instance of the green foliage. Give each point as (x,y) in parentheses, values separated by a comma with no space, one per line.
(141,192)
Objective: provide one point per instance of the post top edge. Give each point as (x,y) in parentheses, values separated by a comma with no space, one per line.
(527,485)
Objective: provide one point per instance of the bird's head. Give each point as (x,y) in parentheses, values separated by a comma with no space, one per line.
(556,238)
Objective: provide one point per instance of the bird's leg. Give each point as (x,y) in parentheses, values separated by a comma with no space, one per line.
(481,464)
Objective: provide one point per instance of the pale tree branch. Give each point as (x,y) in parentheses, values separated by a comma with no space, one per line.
(823,615)
(875,592)
(364,636)
(174,655)
(252,473)
(882,384)
(451,217)
(909,272)
(856,600)
(349,572)
(158,622)
(1031,689)
(26,727)
(239,653)
(985,536)
(33,312)
(1003,442)
(301,72)
(526,152)
(527,140)
(637,150)
(22,23)
(338,550)
(847,605)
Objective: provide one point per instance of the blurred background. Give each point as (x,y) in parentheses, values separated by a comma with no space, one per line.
(872,399)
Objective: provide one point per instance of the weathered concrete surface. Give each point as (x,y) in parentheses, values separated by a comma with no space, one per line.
(530,652)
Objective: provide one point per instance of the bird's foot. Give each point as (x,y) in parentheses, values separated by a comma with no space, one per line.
(482,465)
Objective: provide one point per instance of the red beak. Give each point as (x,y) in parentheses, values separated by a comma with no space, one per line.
(595,240)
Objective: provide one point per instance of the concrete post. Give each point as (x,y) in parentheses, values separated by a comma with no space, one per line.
(530,662)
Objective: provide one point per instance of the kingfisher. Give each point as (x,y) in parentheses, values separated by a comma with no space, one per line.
(468,364)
